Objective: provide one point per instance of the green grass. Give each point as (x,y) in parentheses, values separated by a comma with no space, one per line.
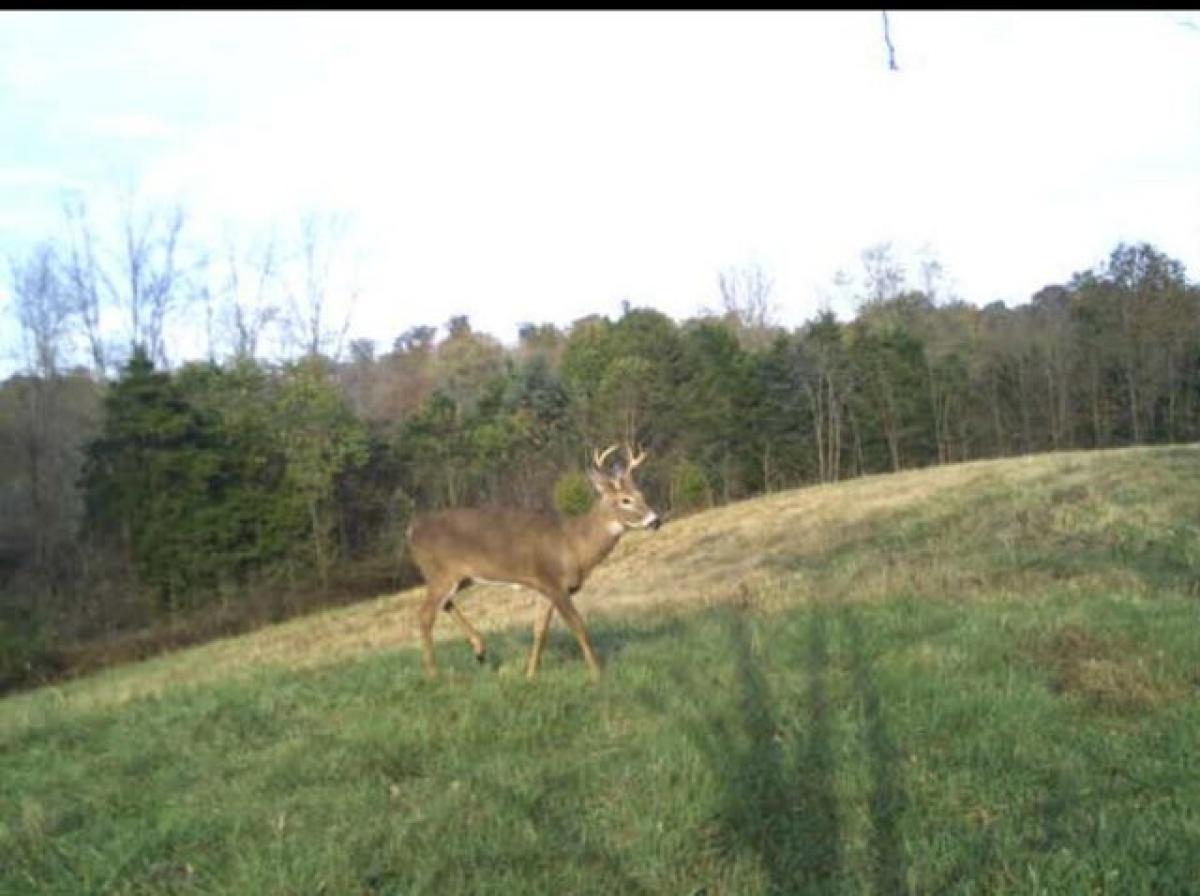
(995,689)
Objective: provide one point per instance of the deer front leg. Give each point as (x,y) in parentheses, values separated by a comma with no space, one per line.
(574,622)
(540,627)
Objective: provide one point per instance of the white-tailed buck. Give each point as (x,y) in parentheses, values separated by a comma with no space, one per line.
(547,552)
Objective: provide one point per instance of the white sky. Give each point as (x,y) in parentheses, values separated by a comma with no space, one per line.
(542,166)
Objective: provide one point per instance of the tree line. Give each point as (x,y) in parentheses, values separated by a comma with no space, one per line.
(144,492)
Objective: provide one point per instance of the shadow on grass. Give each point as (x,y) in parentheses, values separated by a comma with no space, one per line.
(775,775)
(773,756)
(888,800)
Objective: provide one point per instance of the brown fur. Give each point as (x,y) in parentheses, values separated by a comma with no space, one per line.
(549,553)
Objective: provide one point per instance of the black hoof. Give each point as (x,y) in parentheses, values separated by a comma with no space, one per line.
(481,658)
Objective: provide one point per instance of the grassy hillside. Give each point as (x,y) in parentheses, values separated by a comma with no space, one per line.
(980,678)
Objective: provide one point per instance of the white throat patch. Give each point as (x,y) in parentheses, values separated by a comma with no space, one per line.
(615,528)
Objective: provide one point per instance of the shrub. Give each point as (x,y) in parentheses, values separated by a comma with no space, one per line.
(573,494)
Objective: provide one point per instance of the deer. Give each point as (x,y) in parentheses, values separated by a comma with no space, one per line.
(547,552)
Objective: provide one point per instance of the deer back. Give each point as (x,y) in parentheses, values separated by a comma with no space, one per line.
(499,545)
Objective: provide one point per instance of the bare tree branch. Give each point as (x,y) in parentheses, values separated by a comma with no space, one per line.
(309,291)
(85,280)
(887,39)
(746,297)
(883,273)
(150,266)
(248,309)
(144,275)
(43,309)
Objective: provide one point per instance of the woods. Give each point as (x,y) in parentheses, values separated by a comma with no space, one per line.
(144,493)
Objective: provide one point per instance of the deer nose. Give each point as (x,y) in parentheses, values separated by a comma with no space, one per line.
(655,522)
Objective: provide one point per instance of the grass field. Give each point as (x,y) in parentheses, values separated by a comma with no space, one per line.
(982,678)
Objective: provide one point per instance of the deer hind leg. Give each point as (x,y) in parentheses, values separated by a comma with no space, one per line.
(541,626)
(438,592)
(566,609)
(473,637)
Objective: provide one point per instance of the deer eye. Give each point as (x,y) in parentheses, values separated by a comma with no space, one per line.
(626,502)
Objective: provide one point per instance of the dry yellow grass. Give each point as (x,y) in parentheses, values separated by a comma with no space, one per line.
(707,558)
(1108,672)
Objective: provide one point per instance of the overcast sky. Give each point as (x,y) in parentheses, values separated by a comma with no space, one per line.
(542,166)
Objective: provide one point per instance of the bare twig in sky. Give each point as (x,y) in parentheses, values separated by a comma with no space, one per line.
(887,39)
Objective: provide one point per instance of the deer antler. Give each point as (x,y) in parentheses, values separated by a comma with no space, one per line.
(599,458)
(634,459)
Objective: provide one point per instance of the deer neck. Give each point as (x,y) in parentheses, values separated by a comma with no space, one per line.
(593,536)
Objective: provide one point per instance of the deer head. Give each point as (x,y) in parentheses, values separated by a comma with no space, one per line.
(620,498)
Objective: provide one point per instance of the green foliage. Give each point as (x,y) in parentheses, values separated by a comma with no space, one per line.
(573,494)
(623,377)
(537,396)
(892,398)
(265,516)
(318,434)
(626,397)
(468,366)
(689,487)
(723,419)
(588,353)
(211,475)
(320,439)
(154,482)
